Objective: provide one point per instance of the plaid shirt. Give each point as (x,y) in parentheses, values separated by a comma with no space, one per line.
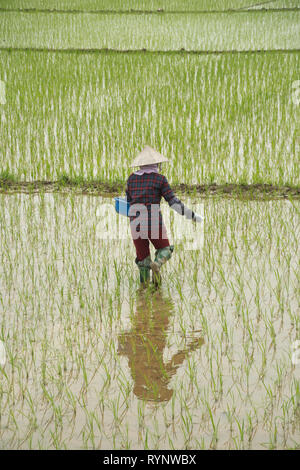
(148,189)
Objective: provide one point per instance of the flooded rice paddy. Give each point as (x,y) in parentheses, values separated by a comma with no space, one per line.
(209,360)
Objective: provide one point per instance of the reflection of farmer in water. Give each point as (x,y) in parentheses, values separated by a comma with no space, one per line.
(144,346)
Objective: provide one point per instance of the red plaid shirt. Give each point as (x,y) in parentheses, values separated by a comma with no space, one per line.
(148,189)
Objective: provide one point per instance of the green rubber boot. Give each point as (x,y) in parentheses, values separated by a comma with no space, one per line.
(144,268)
(161,256)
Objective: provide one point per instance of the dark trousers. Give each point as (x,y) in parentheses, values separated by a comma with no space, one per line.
(160,240)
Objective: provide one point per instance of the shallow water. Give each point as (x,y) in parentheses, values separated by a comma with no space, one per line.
(93,361)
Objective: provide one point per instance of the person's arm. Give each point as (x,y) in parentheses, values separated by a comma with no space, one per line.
(176,204)
(181,355)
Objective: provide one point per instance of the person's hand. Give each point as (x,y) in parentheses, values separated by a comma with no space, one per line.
(197,218)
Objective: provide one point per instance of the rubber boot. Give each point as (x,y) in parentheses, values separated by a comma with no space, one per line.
(144,268)
(161,256)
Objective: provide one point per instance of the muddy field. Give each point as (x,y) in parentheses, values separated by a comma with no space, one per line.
(241,191)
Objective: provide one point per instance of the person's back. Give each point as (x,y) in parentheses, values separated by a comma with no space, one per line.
(147,188)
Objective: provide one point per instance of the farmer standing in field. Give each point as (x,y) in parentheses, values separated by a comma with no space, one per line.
(144,190)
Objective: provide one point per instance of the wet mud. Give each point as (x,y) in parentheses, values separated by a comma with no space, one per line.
(247,191)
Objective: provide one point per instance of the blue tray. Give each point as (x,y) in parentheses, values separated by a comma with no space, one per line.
(122,206)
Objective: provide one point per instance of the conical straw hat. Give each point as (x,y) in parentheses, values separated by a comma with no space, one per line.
(148,156)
